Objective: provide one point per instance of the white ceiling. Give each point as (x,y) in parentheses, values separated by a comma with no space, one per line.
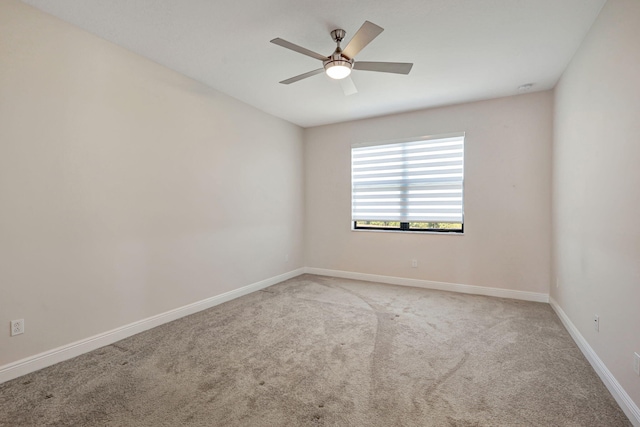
(462,50)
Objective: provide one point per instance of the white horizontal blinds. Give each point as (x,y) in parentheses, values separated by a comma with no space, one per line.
(417,181)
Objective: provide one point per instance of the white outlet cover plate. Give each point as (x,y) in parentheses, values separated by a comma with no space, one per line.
(636,363)
(17,327)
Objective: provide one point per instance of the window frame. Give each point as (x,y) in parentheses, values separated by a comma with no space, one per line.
(404,226)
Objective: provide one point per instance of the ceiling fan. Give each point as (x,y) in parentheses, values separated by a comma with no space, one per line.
(339,64)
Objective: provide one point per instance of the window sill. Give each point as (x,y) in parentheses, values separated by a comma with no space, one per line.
(437,233)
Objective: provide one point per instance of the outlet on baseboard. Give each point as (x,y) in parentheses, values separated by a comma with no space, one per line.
(636,363)
(414,263)
(596,323)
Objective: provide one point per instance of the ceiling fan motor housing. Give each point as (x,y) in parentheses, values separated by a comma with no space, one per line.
(337,59)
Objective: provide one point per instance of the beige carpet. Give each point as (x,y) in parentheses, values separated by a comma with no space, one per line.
(318,351)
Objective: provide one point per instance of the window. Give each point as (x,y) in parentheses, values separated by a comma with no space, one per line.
(414,185)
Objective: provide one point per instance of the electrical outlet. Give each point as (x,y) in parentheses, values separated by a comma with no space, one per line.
(596,323)
(286,257)
(636,363)
(414,263)
(557,282)
(17,327)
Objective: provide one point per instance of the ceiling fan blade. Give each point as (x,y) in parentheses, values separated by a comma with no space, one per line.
(348,87)
(298,49)
(362,37)
(302,76)
(384,67)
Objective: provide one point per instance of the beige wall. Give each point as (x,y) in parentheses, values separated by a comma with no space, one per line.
(126,189)
(507,197)
(596,189)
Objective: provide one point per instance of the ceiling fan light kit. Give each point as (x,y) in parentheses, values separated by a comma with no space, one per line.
(337,69)
(339,64)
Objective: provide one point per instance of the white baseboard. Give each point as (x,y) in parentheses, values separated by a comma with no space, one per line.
(624,400)
(429,284)
(56,355)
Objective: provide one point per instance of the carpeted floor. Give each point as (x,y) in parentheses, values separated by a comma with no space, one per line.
(319,351)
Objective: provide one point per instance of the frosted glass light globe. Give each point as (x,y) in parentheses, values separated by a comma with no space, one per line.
(337,71)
